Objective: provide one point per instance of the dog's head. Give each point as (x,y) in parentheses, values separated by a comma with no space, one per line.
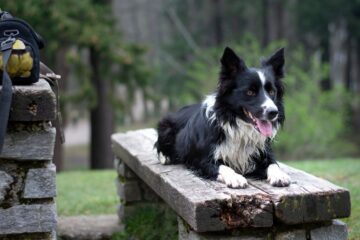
(254,95)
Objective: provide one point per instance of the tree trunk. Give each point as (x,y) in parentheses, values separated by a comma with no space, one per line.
(289,23)
(354,66)
(273,20)
(218,22)
(63,69)
(101,118)
(354,86)
(338,52)
(264,22)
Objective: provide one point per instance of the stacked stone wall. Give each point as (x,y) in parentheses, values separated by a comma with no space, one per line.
(27,174)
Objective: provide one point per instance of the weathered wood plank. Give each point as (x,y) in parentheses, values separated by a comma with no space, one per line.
(205,205)
(307,199)
(211,206)
(34,102)
(29,145)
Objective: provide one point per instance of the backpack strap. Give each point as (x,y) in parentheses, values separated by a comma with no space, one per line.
(47,74)
(6,93)
(5,15)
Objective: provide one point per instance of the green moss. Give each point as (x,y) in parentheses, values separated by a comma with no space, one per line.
(296,203)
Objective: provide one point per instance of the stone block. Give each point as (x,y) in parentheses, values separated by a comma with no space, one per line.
(129,191)
(336,231)
(36,218)
(29,145)
(40,183)
(126,172)
(117,162)
(35,102)
(148,194)
(5,181)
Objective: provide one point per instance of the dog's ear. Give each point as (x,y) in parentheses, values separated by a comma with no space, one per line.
(231,63)
(276,62)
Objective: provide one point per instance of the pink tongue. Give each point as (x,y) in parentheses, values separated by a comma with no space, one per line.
(265,127)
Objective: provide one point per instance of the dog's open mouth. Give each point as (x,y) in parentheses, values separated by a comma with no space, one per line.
(265,127)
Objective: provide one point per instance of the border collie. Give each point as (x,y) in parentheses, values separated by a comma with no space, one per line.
(227,137)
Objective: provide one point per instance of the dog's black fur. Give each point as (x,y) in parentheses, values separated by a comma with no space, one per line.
(191,135)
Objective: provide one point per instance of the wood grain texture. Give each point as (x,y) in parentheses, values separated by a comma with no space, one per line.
(34,102)
(211,206)
(205,205)
(307,199)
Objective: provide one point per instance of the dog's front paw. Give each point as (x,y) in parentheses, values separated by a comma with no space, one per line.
(163,160)
(231,178)
(276,177)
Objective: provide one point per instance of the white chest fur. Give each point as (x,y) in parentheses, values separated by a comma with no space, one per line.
(240,144)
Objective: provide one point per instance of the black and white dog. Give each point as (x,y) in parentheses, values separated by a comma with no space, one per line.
(227,137)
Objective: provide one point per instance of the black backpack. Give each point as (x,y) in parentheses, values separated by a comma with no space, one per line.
(19,61)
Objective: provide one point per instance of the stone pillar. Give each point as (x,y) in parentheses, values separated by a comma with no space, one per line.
(133,192)
(27,174)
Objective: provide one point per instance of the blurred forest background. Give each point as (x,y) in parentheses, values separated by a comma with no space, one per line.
(125,63)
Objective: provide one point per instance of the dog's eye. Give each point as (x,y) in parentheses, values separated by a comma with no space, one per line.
(272,92)
(250,93)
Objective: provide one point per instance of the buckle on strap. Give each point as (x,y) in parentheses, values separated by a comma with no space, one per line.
(7,44)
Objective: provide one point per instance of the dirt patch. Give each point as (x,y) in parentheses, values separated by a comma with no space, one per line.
(99,227)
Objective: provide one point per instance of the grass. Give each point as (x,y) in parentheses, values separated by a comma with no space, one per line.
(86,193)
(150,223)
(94,192)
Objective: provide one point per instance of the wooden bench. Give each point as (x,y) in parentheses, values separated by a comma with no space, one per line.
(210,210)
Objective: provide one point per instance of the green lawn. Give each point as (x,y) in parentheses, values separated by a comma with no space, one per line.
(86,193)
(94,192)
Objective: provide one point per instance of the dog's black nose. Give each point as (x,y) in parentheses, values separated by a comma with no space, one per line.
(272,114)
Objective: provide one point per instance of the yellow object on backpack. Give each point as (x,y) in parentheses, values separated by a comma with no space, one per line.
(20,62)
